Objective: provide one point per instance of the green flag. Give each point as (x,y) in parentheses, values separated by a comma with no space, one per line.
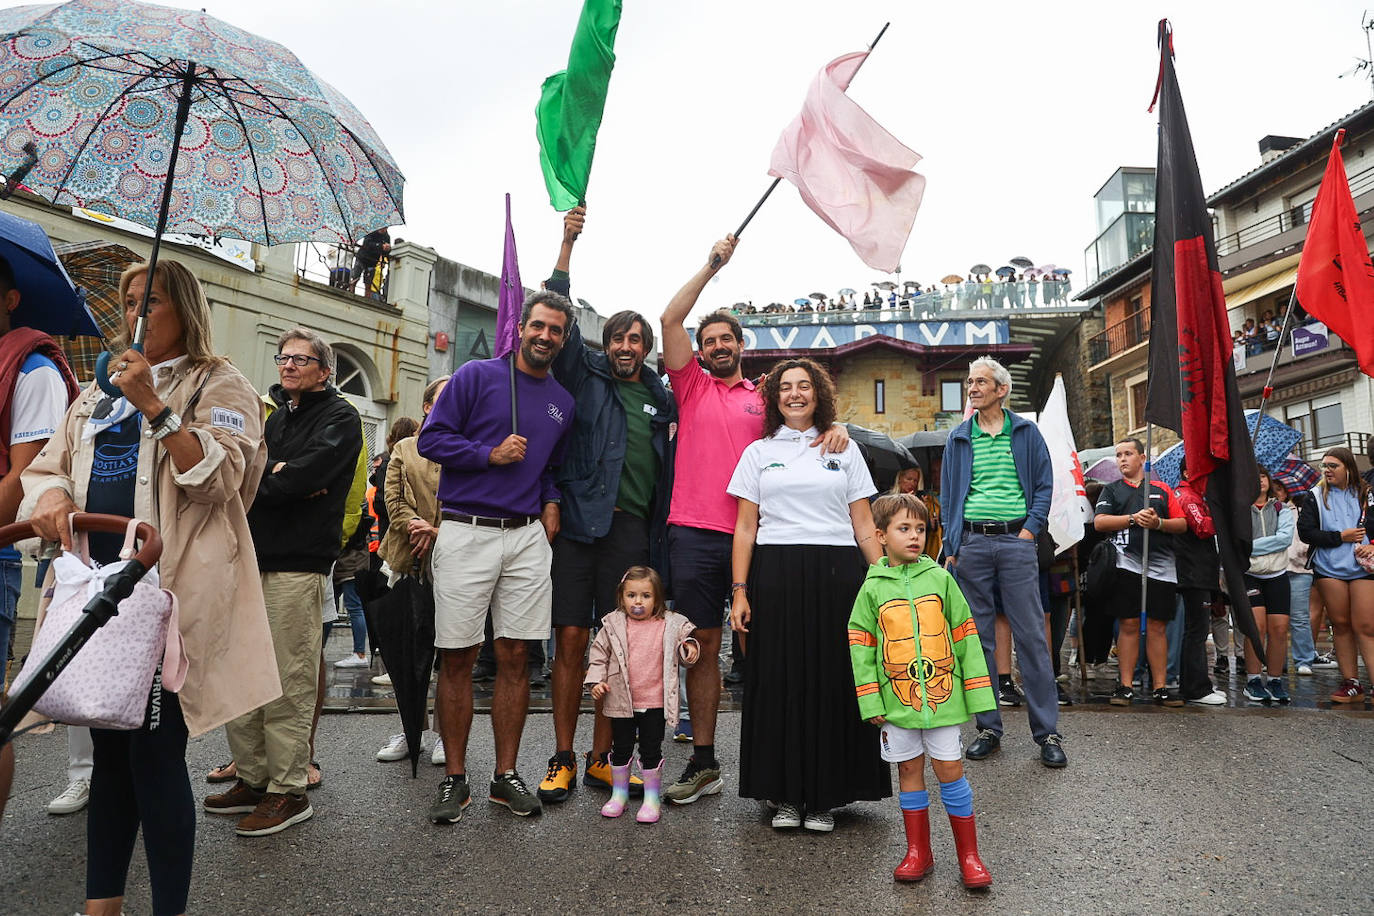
(571,102)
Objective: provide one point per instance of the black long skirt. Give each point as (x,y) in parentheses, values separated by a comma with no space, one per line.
(801,739)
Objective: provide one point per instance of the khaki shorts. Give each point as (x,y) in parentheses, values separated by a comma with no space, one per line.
(506,570)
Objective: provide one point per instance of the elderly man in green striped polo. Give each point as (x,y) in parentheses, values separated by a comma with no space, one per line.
(995,490)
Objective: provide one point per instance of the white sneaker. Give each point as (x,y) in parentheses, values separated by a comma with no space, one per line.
(395,749)
(382,680)
(819,821)
(1215,698)
(72,799)
(1304,669)
(437,755)
(354,661)
(788,817)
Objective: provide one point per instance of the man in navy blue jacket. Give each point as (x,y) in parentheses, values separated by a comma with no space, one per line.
(995,491)
(615,503)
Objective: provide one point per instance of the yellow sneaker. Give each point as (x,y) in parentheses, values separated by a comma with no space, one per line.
(598,775)
(558,782)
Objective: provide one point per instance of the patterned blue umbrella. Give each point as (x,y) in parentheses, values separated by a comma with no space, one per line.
(184,123)
(1275,440)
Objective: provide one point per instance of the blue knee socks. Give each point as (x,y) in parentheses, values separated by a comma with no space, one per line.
(957,797)
(914,801)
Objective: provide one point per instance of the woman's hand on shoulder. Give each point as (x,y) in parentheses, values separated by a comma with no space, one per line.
(834,439)
(50,517)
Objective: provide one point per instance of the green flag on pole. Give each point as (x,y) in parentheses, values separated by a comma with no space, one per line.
(571,102)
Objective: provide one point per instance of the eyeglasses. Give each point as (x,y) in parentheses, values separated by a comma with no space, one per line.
(299,360)
(1330,467)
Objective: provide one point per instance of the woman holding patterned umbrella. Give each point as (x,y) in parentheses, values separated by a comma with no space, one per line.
(183,449)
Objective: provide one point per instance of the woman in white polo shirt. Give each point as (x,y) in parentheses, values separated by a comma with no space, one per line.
(802,537)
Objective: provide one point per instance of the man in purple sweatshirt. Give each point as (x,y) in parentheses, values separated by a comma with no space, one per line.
(494,486)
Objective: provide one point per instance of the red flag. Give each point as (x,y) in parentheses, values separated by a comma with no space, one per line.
(1191,386)
(1335,276)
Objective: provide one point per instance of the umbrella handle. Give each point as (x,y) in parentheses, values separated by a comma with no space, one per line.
(102,372)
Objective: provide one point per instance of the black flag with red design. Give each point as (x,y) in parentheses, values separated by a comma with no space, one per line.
(1192,381)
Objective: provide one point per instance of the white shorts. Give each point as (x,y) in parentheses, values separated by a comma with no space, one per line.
(504,569)
(901,744)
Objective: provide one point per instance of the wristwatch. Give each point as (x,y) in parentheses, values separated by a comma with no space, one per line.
(170,424)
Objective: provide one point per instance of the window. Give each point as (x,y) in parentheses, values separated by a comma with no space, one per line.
(1138,392)
(952,397)
(348,375)
(879,396)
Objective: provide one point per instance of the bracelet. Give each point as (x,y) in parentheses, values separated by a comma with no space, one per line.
(161,418)
(736,586)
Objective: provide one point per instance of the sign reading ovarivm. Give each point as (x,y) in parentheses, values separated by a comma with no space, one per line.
(828,336)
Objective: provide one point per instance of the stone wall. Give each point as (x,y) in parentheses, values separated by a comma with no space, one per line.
(912,395)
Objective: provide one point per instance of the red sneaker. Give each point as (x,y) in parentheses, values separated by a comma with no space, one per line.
(1349,691)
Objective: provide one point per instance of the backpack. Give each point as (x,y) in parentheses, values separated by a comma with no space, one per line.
(1101,572)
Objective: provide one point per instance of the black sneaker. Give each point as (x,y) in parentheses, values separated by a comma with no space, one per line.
(510,790)
(1122,696)
(1008,694)
(454,796)
(1168,696)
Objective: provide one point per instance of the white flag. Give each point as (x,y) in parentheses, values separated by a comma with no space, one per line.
(1069,509)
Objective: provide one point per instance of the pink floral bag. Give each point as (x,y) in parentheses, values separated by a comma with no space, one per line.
(108,683)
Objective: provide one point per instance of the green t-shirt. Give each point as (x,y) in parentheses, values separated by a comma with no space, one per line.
(995,494)
(639,474)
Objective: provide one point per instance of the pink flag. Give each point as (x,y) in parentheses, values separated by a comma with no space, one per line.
(853,173)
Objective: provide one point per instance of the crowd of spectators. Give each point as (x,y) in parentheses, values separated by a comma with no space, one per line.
(978,291)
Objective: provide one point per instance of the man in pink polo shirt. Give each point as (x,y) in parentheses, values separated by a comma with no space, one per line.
(719,413)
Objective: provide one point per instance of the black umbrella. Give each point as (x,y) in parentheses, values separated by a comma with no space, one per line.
(883,455)
(403,619)
(925,439)
(1022,262)
(820,296)
(980,269)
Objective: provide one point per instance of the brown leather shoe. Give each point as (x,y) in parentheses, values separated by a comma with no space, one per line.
(275,813)
(241,799)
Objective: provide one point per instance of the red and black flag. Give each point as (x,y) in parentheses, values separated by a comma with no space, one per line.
(1335,276)
(1192,381)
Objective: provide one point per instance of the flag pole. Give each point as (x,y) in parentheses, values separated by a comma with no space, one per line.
(715,261)
(1078,616)
(1145,549)
(1268,391)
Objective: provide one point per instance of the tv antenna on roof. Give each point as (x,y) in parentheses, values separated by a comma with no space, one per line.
(1364,65)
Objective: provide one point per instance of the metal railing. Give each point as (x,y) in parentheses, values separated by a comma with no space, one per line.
(1120,337)
(1311,449)
(1290,218)
(979,300)
(332,266)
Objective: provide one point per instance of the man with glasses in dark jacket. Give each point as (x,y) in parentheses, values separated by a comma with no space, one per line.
(313,439)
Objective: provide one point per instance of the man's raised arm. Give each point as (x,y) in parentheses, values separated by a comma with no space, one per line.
(677,345)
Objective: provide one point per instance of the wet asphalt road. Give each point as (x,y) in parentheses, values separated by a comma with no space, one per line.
(1160,811)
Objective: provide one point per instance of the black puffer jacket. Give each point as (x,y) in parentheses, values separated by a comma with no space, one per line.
(295,530)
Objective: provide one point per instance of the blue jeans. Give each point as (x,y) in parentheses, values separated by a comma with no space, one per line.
(10,583)
(356,621)
(1003,567)
(1299,620)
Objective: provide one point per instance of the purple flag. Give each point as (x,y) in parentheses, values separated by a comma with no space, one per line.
(512,298)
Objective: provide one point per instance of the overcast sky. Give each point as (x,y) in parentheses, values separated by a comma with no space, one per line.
(1021,111)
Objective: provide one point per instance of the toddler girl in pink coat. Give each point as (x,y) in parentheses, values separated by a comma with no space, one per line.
(634,665)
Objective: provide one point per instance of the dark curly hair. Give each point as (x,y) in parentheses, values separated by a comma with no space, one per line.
(822,386)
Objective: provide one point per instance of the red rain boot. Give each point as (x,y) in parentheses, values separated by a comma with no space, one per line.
(975,873)
(918,862)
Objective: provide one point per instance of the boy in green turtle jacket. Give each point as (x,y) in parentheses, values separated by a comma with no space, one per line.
(919,674)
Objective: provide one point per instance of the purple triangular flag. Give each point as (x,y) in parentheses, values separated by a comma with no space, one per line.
(512,297)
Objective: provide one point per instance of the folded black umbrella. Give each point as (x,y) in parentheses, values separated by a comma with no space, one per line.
(403,619)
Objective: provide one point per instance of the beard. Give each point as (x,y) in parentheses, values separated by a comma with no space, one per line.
(620,370)
(726,369)
(535,359)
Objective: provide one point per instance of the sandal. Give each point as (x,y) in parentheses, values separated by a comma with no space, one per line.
(224,773)
(314,775)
